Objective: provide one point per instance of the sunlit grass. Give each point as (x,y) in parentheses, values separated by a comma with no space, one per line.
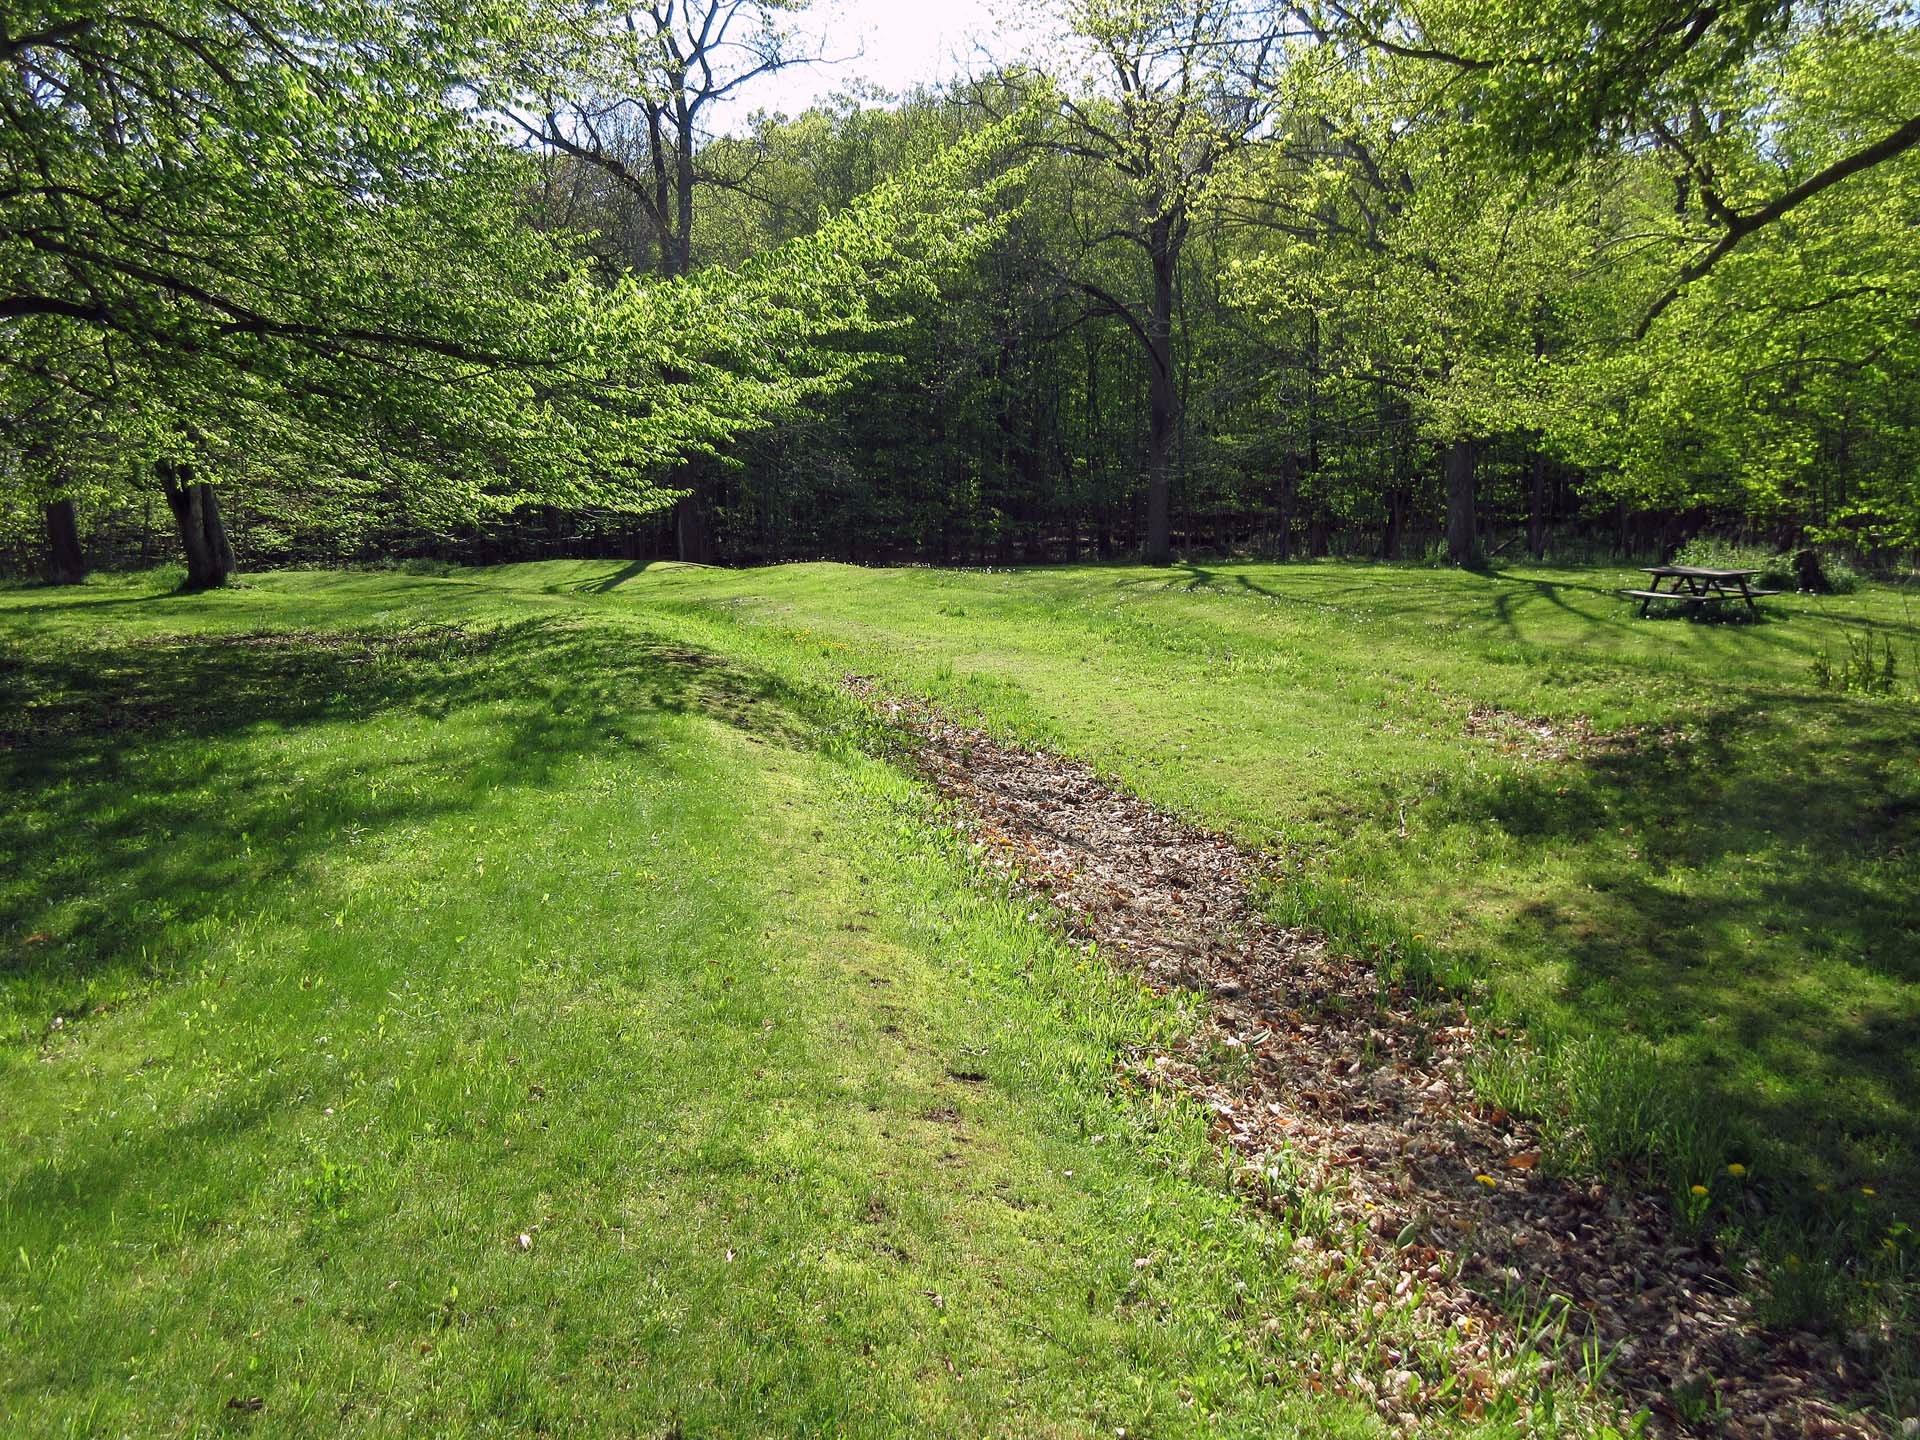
(1693,897)
(617,839)
(540,1026)
(1712,861)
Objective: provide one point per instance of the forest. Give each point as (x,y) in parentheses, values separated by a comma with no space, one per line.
(343,283)
(1202,726)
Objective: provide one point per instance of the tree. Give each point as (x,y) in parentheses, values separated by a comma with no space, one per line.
(285,231)
(1545,82)
(1422,274)
(628,93)
(283,208)
(1172,87)
(626,96)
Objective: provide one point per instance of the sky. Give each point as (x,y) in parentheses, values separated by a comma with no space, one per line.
(893,44)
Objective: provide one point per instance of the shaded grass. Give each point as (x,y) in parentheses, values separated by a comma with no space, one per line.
(1697,902)
(1698,915)
(338,961)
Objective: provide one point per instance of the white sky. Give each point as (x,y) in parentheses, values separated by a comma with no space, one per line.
(893,44)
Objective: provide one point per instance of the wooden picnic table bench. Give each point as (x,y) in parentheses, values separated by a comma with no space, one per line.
(1698,585)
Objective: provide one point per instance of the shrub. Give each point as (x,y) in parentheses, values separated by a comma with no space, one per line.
(1776,570)
(1842,578)
(1813,570)
(1869,664)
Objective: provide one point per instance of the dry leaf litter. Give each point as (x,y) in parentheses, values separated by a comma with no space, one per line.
(1363,1087)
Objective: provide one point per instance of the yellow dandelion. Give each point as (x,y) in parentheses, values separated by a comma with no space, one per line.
(1736,1169)
(1487,1180)
(1868,1191)
(1698,1190)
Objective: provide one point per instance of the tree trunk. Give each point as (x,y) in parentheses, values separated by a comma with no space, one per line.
(1462,542)
(217,539)
(66,565)
(662,191)
(202,535)
(1394,535)
(1399,495)
(1162,400)
(1537,509)
(692,541)
(684,180)
(1289,496)
(1093,498)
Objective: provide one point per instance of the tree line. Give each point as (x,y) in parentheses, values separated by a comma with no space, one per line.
(1200,276)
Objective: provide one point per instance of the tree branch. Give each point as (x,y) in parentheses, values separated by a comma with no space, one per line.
(1739,226)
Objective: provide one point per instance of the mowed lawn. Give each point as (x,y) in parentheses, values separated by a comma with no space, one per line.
(356,926)
(431,1011)
(1704,868)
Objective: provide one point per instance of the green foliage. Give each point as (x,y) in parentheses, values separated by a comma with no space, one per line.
(1841,578)
(1867,663)
(289,251)
(1544,81)
(1776,571)
(1368,281)
(319,271)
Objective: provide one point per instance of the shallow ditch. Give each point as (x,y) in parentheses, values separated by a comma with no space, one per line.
(1333,1085)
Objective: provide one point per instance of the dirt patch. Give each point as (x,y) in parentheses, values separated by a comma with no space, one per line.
(1530,736)
(1320,1073)
(1535,737)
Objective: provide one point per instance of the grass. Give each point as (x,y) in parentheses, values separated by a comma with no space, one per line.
(1694,903)
(1728,881)
(570,901)
(431,1011)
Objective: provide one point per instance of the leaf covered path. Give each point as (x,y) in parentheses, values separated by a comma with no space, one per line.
(1332,1080)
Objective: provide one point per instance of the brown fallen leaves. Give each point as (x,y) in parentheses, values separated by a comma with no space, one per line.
(1322,1075)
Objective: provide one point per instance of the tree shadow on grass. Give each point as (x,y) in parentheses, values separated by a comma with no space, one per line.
(1517,592)
(1320,589)
(1743,885)
(120,1177)
(158,795)
(1731,630)
(613,581)
(34,605)
(1389,591)
(137,803)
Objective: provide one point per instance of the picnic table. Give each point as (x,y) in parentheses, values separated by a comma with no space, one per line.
(1697,585)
